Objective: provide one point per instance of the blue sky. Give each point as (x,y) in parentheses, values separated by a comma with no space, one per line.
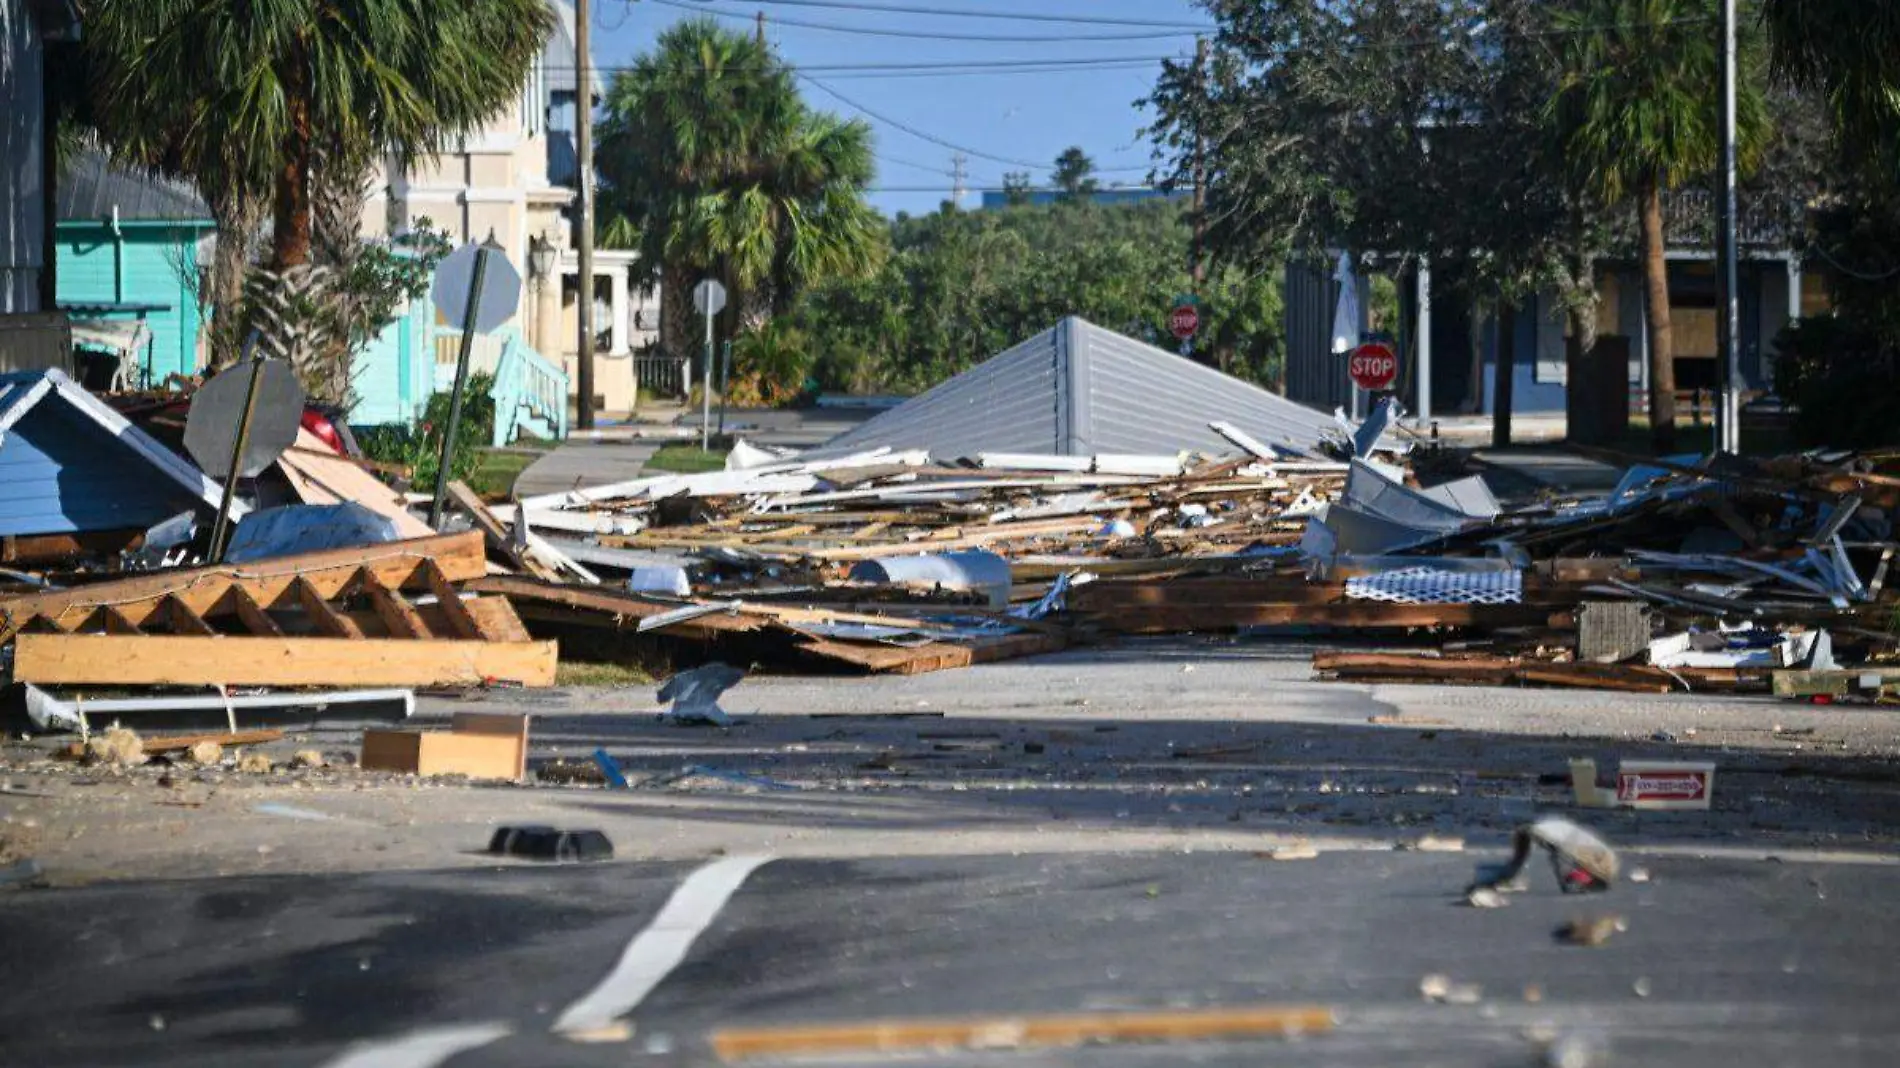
(1026,117)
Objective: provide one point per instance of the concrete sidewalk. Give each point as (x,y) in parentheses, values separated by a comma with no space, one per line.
(618,450)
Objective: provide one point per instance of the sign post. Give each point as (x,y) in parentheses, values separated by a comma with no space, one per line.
(1184,319)
(1373,366)
(240,422)
(476,286)
(221,531)
(708,298)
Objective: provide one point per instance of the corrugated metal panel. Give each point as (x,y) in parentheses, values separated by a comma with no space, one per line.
(1005,404)
(1078,389)
(22,198)
(1146,399)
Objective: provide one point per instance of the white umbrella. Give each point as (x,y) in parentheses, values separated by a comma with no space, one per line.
(1346,312)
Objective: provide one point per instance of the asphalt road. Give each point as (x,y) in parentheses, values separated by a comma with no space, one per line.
(1724,962)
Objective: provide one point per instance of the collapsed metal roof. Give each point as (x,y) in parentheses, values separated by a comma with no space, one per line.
(1077,389)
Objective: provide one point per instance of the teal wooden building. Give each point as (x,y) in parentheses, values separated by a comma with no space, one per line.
(132,246)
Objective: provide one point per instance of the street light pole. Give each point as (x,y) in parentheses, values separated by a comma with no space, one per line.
(584,153)
(1728,322)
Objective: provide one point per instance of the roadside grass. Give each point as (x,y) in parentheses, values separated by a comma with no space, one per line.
(681,458)
(495,474)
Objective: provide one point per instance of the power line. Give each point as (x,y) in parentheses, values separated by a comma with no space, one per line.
(1018,16)
(881,158)
(944,65)
(927,35)
(934,139)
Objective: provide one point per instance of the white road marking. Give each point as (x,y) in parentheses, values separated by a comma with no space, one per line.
(659,948)
(421,1049)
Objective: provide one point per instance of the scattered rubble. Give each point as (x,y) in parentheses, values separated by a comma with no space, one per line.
(1591,930)
(1582,861)
(118,747)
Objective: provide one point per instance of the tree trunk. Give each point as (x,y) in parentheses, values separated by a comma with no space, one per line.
(237,214)
(1474,380)
(679,338)
(290,239)
(339,189)
(1505,368)
(1662,356)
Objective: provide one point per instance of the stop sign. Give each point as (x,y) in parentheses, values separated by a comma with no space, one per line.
(1373,366)
(1183,321)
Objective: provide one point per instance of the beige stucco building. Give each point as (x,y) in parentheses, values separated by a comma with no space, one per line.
(517,179)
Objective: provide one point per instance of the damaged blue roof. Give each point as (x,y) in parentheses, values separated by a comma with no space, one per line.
(70,464)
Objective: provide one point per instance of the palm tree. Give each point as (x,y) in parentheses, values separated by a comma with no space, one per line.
(712,157)
(1636,113)
(1074,174)
(250,92)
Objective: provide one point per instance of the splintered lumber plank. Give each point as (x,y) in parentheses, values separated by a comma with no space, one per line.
(1497,670)
(1837,683)
(151,660)
(495,533)
(268,582)
(1356,614)
(322,616)
(398,615)
(551,603)
(183,620)
(462,622)
(496,618)
(110,620)
(176,743)
(917,1035)
(252,614)
(936,656)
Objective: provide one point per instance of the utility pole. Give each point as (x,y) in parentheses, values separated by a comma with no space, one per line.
(760,26)
(958,175)
(1728,323)
(1197,265)
(584,150)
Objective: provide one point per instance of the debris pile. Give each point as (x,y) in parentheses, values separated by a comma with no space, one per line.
(1718,574)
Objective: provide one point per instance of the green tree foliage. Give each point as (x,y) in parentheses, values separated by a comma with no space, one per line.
(1074,173)
(1400,128)
(419,448)
(720,169)
(1016,188)
(1636,113)
(1844,372)
(256,91)
(959,287)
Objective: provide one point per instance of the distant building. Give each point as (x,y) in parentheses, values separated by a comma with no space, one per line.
(1458,356)
(132,246)
(999,198)
(519,179)
(30,336)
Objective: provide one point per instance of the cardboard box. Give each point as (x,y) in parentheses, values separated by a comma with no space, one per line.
(478,745)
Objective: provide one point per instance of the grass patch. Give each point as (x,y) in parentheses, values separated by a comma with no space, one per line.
(683,459)
(496,471)
(599,673)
